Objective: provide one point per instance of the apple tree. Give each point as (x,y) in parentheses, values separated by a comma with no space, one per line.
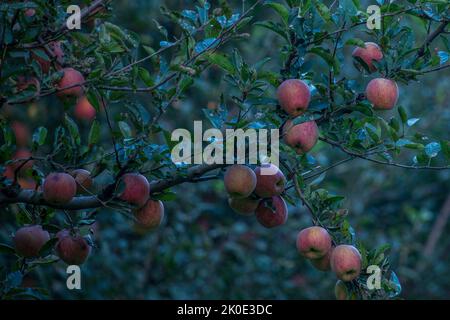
(100,96)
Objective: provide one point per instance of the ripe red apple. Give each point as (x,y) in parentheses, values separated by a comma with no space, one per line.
(73,80)
(302,137)
(151,215)
(240,181)
(21,133)
(313,242)
(370,52)
(73,250)
(84,110)
(323,264)
(346,262)
(83,180)
(382,93)
(137,189)
(294,96)
(244,206)
(55,48)
(30,240)
(59,188)
(269,185)
(341,291)
(30,12)
(272,212)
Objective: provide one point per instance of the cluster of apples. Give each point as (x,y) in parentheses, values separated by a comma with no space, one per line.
(61,188)
(316,244)
(252,192)
(381,92)
(69,85)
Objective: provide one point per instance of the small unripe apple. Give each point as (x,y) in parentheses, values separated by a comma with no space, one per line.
(84,110)
(323,264)
(382,93)
(244,206)
(346,262)
(370,52)
(30,240)
(59,188)
(73,80)
(341,291)
(269,185)
(83,180)
(314,242)
(294,96)
(272,212)
(73,250)
(21,133)
(302,137)
(137,189)
(151,215)
(240,181)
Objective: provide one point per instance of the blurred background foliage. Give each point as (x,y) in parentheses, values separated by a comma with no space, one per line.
(205,251)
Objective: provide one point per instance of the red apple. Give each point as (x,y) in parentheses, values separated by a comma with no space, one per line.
(73,80)
(21,133)
(137,189)
(151,215)
(84,110)
(382,93)
(30,240)
(294,96)
(240,181)
(313,242)
(272,212)
(341,291)
(368,54)
(269,185)
(59,188)
(346,262)
(302,137)
(323,264)
(244,206)
(73,250)
(83,180)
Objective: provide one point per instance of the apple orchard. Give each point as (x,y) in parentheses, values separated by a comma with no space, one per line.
(103,147)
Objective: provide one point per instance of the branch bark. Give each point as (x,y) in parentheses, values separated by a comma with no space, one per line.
(91,202)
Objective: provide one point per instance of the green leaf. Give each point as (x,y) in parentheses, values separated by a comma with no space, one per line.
(355,42)
(432,149)
(403,115)
(48,247)
(222,61)
(325,55)
(280,9)
(145,76)
(39,136)
(323,10)
(125,129)
(4,248)
(73,129)
(94,133)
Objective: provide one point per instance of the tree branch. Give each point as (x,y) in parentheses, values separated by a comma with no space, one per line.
(89,202)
